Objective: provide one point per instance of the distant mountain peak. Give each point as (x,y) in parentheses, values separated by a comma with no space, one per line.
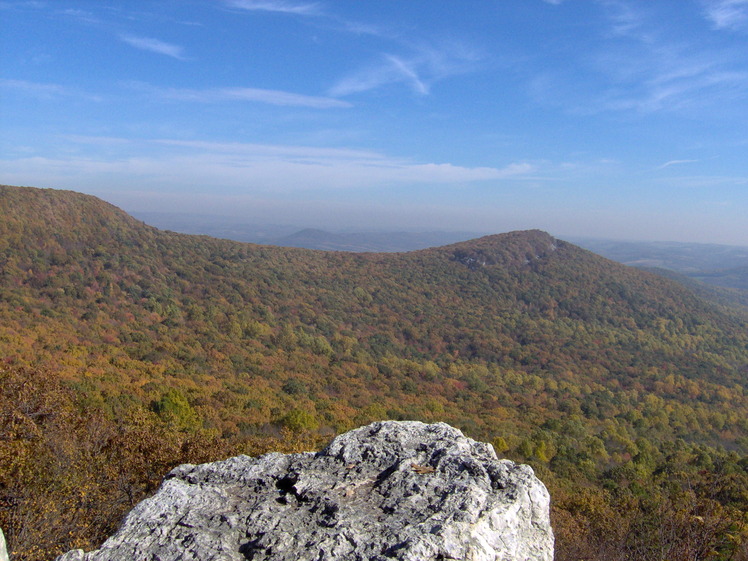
(511,249)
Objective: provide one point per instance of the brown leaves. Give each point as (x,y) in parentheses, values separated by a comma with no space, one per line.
(422,470)
(67,474)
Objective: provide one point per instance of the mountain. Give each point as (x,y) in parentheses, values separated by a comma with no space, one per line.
(710,265)
(234,228)
(616,384)
(217,226)
(723,267)
(714,271)
(311,238)
(720,291)
(734,278)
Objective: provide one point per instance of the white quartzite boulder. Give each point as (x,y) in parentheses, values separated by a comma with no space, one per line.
(390,490)
(3,547)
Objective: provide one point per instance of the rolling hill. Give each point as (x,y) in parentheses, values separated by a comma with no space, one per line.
(237,229)
(719,272)
(599,375)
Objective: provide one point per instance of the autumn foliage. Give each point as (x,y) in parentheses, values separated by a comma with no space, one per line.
(126,350)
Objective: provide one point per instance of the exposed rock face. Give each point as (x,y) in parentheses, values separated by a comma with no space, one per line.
(390,490)
(3,547)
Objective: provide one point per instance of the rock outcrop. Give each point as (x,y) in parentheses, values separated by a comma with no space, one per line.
(3,547)
(390,490)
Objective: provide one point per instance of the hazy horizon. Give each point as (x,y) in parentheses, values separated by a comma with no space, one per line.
(154,217)
(620,119)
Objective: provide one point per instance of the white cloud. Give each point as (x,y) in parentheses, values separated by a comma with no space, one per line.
(153,45)
(360,28)
(676,163)
(176,165)
(638,67)
(35,88)
(83,16)
(408,72)
(218,95)
(419,70)
(301,167)
(268,150)
(626,21)
(679,81)
(727,14)
(45,91)
(391,70)
(282,6)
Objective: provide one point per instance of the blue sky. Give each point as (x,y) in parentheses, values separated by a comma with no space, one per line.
(604,118)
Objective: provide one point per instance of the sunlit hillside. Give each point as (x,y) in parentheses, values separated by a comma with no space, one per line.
(126,350)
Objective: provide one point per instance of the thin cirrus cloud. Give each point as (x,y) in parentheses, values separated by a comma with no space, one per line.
(727,14)
(83,16)
(35,89)
(282,6)
(418,71)
(46,91)
(676,163)
(638,69)
(255,95)
(391,70)
(340,167)
(667,93)
(154,45)
(240,167)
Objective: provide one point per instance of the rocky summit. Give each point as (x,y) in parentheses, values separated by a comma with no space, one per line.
(390,490)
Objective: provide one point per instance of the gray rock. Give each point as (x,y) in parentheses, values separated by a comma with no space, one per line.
(390,490)
(3,547)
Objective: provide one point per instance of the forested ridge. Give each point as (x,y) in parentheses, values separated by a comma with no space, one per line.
(125,350)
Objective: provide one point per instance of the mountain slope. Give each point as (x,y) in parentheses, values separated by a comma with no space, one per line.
(214,308)
(560,357)
(717,272)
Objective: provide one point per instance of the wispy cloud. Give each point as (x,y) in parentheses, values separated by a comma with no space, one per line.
(282,6)
(727,14)
(83,16)
(390,70)
(219,95)
(637,67)
(419,70)
(361,28)
(691,88)
(30,4)
(336,167)
(35,88)
(264,151)
(676,163)
(322,16)
(153,45)
(625,19)
(45,90)
(407,69)
(250,168)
